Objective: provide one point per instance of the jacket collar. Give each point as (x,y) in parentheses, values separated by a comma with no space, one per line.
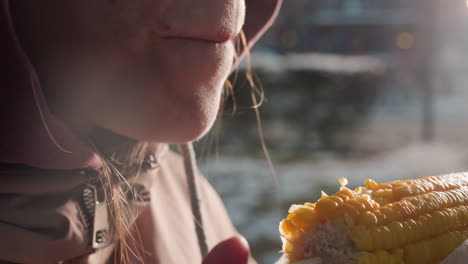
(47,216)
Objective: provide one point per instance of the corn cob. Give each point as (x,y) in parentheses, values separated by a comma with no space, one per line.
(402,222)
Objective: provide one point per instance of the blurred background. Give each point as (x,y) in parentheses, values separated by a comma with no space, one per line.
(353,88)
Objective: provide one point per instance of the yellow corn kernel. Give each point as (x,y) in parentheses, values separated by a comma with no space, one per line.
(303,217)
(368,218)
(327,206)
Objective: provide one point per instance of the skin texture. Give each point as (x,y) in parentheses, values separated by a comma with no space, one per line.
(151,70)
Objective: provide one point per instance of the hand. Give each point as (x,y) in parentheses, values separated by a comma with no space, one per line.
(231,251)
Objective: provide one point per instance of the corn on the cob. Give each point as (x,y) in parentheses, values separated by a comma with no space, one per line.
(413,221)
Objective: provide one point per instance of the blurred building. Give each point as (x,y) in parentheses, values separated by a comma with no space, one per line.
(417,39)
(345,26)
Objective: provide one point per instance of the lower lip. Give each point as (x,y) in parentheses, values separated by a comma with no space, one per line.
(183,48)
(199,40)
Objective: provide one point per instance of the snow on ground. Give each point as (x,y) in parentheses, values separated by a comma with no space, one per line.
(256,201)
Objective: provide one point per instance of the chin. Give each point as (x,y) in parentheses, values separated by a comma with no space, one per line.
(172,118)
(191,124)
(184,129)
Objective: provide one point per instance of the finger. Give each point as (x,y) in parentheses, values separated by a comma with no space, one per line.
(231,251)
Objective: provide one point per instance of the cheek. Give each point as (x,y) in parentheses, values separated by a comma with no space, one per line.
(193,69)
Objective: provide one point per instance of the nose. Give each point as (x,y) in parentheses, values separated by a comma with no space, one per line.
(214,20)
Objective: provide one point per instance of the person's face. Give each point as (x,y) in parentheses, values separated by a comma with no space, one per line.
(148,69)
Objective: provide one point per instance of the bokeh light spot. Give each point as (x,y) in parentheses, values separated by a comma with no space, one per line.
(405,40)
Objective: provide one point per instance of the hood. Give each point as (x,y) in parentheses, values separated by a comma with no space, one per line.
(30,133)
